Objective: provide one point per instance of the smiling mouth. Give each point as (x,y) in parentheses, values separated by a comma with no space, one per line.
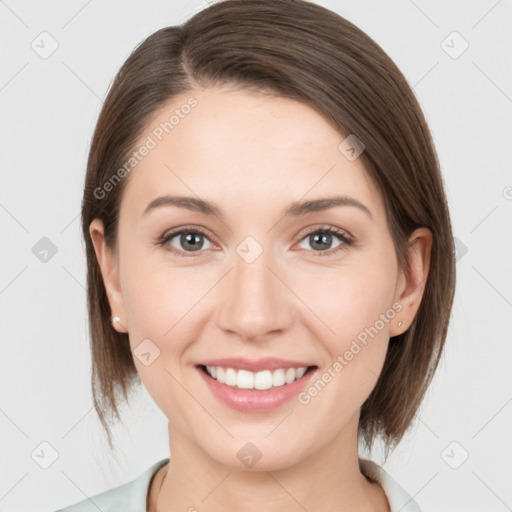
(262,380)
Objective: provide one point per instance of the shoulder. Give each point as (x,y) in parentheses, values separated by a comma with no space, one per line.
(128,497)
(399,499)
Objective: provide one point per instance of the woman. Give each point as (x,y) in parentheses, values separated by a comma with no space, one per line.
(270,252)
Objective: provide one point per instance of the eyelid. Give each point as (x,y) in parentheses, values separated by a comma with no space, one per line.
(327,227)
(188,227)
(169,235)
(347,239)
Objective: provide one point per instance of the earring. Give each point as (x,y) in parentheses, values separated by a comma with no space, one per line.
(400,323)
(115,319)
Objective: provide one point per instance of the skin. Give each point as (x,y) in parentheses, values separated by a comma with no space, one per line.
(253,155)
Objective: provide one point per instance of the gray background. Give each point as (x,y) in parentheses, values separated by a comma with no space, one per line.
(48,110)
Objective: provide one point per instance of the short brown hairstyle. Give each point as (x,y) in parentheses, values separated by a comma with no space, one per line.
(298,50)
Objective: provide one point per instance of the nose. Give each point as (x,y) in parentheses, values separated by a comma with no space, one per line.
(257,303)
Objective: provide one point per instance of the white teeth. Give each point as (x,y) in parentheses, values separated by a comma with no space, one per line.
(290,376)
(231,378)
(265,379)
(300,372)
(221,376)
(278,378)
(245,379)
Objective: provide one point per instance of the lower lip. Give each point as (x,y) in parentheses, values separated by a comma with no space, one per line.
(254,399)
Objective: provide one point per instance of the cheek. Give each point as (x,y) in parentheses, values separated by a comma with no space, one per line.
(355,349)
(165,304)
(158,296)
(347,300)
(160,303)
(353,310)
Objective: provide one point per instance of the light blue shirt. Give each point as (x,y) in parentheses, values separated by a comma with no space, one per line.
(132,496)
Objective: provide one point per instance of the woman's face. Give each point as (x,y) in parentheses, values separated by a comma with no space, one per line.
(255,278)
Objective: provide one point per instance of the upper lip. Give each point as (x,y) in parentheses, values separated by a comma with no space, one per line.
(267,363)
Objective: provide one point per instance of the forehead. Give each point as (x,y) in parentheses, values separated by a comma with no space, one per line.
(244,148)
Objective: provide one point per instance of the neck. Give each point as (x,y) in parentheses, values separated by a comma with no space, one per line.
(328,480)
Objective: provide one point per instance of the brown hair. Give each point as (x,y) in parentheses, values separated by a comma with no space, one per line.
(299,50)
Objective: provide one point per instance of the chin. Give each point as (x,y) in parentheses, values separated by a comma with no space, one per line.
(257,456)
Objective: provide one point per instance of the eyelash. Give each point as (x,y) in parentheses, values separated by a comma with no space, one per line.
(342,235)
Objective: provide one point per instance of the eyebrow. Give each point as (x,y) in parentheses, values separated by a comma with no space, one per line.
(296,209)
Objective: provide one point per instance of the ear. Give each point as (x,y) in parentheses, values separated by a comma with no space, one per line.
(109,266)
(409,289)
